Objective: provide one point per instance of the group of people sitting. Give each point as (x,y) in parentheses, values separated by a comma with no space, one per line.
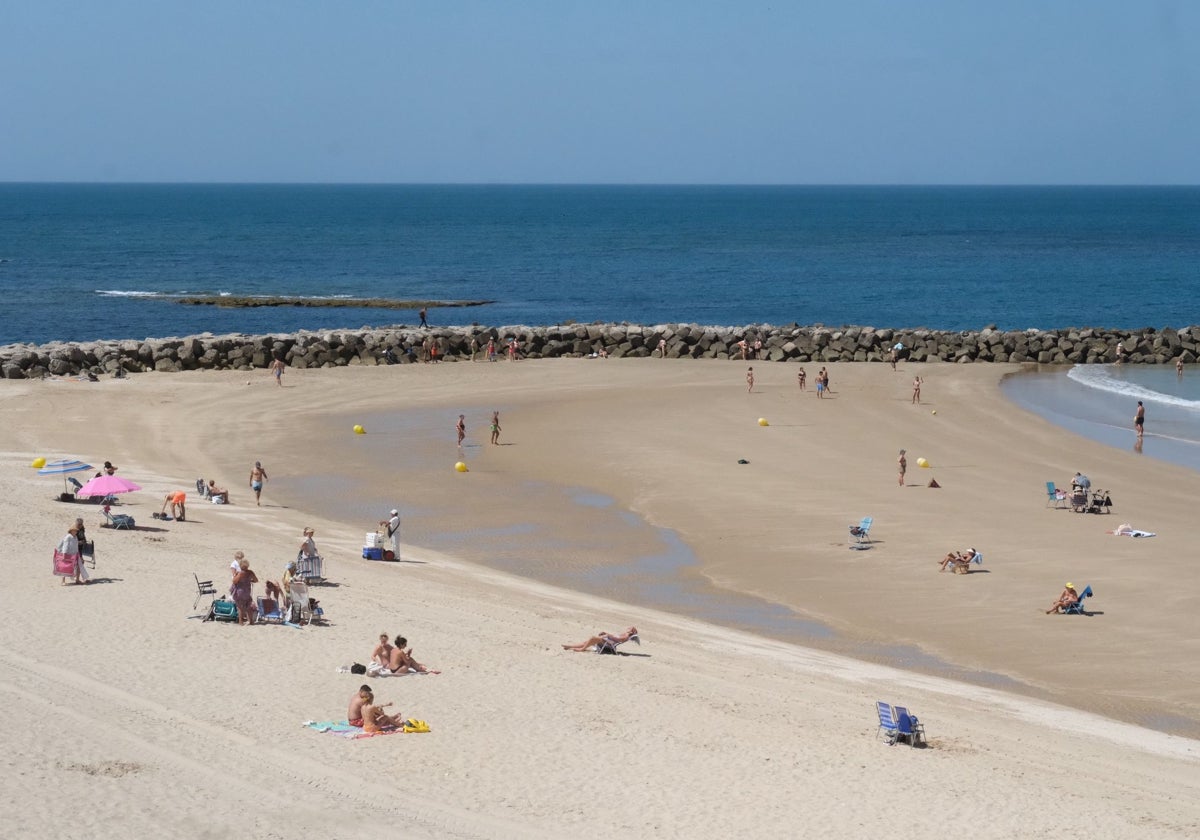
(958,562)
(368,714)
(390,658)
(241,588)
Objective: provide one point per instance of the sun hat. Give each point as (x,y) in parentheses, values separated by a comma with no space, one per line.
(395,512)
(1070,586)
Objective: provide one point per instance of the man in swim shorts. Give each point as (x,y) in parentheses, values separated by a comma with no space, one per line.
(354,714)
(1139,419)
(257,476)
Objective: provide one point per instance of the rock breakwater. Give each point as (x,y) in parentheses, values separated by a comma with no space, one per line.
(402,344)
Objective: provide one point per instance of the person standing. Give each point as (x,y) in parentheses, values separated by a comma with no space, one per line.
(277,368)
(749,379)
(801,378)
(1178,370)
(491,350)
(461,428)
(495,428)
(257,476)
(916,397)
(1139,419)
(393,532)
(68,547)
(242,590)
(902,465)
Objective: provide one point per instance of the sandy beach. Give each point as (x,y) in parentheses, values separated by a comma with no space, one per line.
(616,498)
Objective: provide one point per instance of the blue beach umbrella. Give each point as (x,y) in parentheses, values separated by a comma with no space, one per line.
(63,467)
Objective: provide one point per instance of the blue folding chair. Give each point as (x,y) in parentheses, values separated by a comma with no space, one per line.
(908,727)
(861,532)
(887,722)
(1077,607)
(1054,497)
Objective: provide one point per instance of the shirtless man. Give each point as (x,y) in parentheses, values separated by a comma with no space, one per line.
(213,490)
(401,660)
(1178,370)
(1068,597)
(496,428)
(902,465)
(461,428)
(276,368)
(1139,419)
(257,476)
(354,715)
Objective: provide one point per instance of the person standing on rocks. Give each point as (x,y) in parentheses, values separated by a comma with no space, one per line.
(422,314)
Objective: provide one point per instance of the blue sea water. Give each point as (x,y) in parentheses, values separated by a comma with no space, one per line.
(80,262)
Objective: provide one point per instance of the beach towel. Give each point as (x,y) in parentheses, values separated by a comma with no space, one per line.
(341,729)
(1128,530)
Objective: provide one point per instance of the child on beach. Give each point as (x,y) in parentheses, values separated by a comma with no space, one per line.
(749,379)
(375,720)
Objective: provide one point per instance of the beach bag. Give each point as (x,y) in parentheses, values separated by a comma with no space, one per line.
(358,668)
(224,610)
(64,564)
(414,725)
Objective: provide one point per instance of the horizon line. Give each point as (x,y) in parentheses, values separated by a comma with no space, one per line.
(622,184)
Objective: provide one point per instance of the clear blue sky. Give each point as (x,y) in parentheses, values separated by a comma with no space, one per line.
(556,91)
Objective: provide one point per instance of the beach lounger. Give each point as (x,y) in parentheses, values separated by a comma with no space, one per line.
(862,531)
(908,727)
(203,587)
(1055,498)
(887,722)
(610,645)
(270,610)
(119,521)
(1078,608)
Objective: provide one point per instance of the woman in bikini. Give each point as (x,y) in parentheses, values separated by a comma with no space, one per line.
(496,428)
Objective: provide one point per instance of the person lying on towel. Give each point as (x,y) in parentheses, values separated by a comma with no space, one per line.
(603,637)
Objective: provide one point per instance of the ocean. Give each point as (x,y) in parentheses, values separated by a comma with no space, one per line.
(80,262)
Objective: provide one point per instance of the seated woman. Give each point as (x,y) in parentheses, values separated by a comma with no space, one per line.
(603,638)
(401,661)
(957,562)
(374,719)
(1069,597)
(214,492)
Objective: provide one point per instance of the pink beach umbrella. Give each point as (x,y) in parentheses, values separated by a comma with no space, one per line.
(107,485)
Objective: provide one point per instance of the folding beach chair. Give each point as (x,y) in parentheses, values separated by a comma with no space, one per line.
(861,533)
(310,567)
(270,610)
(299,612)
(909,727)
(1077,608)
(203,587)
(887,722)
(1055,498)
(119,521)
(610,645)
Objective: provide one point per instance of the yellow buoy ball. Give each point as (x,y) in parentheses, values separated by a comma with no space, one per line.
(921,462)
(762,421)
(460,466)
(38,463)
(934,411)
(359,430)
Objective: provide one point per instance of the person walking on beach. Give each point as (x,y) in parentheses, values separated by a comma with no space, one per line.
(823,375)
(495,428)
(893,358)
(422,314)
(1178,370)
(1139,419)
(801,379)
(491,350)
(257,476)
(461,428)
(902,465)
(474,347)
(916,397)
(277,367)
(749,379)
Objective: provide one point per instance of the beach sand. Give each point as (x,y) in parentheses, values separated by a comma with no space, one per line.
(617,499)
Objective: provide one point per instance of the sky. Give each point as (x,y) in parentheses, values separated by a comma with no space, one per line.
(557,91)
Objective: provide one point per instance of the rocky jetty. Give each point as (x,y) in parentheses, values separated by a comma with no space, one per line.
(403,344)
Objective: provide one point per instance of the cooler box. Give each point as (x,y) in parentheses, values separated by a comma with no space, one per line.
(374,539)
(372,553)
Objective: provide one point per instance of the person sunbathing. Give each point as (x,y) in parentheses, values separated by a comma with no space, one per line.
(959,562)
(375,720)
(401,661)
(354,714)
(382,653)
(1068,598)
(602,638)
(214,491)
